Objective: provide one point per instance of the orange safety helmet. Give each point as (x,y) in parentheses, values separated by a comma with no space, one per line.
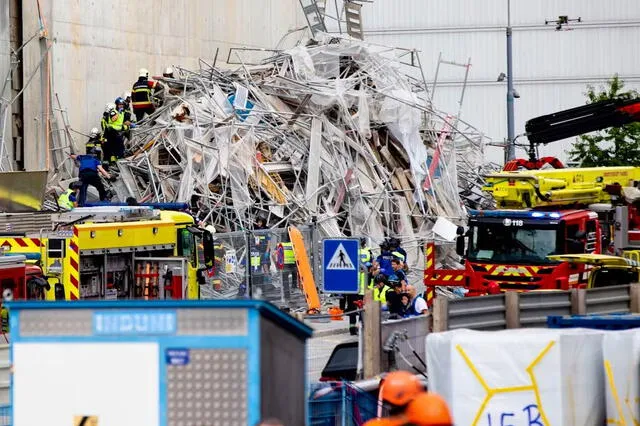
(400,387)
(428,409)
(388,421)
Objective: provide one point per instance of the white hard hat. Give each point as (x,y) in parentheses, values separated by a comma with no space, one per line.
(94,132)
(168,71)
(108,107)
(143,72)
(126,95)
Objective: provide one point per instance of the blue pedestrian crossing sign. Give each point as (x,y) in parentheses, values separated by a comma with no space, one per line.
(340,265)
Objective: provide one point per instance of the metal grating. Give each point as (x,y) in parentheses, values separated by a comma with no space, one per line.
(210,390)
(56,322)
(213,322)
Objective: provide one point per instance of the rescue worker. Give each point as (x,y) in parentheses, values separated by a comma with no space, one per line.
(260,253)
(69,198)
(397,390)
(127,105)
(418,304)
(428,409)
(94,143)
(168,72)
(287,263)
(381,288)
(128,117)
(398,275)
(394,247)
(114,132)
(90,171)
(142,94)
(385,257)
(106,148)
(366,260)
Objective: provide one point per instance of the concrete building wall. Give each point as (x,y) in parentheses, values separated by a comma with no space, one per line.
(551,68)
(99,47)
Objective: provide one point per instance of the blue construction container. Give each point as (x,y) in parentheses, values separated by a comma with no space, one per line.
(622,321)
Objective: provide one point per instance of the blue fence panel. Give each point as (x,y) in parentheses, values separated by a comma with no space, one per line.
(5,415)
(340,404)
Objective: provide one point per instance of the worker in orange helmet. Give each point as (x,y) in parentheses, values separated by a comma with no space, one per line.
(428,409)
(397,389)
(391,421)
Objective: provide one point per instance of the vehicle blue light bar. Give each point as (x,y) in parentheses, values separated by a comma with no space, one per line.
(28,256)
(517,214)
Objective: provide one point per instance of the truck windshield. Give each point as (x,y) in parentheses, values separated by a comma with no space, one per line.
(524,244)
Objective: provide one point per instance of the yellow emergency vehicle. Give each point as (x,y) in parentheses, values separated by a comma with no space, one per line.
(118,253)
(604,270)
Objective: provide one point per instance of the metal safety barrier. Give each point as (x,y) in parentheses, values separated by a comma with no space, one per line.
(536,306)
(608,300)
(482,313)
(531,309)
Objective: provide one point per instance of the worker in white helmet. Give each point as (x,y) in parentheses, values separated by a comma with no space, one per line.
(170,83)
(105,153)
(168,72)
(142,95)
(94,144)
(127,106)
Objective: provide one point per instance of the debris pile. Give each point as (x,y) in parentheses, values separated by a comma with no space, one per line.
(338,133)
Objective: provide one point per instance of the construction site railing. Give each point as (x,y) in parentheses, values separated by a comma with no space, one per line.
(530,309)
(251,265)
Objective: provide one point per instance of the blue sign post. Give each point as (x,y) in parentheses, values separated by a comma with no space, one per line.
(340,265)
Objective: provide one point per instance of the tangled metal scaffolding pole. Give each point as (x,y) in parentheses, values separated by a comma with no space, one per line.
(334,132)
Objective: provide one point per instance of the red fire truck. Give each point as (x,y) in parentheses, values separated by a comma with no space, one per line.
(548,212)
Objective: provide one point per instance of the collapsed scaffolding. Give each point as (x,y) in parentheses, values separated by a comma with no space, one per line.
(335,133)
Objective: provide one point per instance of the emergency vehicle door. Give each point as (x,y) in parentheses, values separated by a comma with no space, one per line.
(160,278)
(54,265)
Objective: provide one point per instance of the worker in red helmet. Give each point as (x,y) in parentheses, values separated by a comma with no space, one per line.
(493,288)
(428,409)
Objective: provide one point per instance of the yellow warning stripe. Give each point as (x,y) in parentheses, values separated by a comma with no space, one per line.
(73,263)
(491,392)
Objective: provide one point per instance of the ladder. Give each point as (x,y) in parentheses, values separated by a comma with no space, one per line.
(354,19)
(107,214)
(314,13)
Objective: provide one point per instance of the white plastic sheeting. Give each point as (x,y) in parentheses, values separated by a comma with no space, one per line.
(621,352)
(519,377)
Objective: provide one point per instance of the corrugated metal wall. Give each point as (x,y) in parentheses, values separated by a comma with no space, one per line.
(551,68)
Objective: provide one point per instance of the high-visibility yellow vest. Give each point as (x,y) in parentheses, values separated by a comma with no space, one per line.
(380,295)
(365,255)
(255,259)
(117,125)
(289,257)
(64,201)
(398,255)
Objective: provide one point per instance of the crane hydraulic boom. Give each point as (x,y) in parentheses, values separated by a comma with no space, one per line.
(573,122)
(560,187)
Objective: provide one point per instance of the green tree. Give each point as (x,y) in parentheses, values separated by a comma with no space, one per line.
(615,146)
